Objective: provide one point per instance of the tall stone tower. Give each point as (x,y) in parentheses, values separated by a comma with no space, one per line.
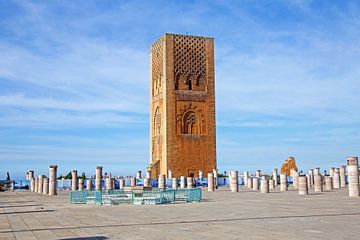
(182,106)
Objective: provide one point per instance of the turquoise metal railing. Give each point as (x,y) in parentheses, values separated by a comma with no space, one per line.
(135,197)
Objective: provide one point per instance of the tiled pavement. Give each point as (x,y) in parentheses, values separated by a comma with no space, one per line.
(222,215)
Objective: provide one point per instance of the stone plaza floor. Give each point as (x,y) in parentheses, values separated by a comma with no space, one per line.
(221,215)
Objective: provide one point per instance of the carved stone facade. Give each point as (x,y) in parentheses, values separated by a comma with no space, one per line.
(182,106)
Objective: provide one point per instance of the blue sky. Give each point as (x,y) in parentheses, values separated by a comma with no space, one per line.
(74,81)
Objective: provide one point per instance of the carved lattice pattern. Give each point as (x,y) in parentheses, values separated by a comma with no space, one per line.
(157,58)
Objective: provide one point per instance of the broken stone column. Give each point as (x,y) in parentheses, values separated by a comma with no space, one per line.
(331,172)
(146,182)
(36,187)
(53,180)
(275,176)
(170,175)
(246,176)
(255,183)
(88,184)
(234,182)
(98,178)
(74,180)
(215,172)
(138,174)
(316,172)
(318,183)
(133,182)
(32,185)
(182,182)
(311,174)
(211,184)
(45,186)
(342,177)
(121,184)
(258,173)
(148,174)
(108,184)
(296,179)
(161,181)
(303,186)
(353,175)
(190,182)
(31,174)
(336,178)
(40,188)
(174,184)
(264,185)
(308,181)
(328,183)
(200,174)
(283,182)
(271,184)
(249,183)
(81,184)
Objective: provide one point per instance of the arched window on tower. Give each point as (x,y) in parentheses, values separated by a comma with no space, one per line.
(190,123)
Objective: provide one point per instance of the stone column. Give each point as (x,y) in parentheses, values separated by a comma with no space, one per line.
(264,185)
(36,187)
(258,173)
(182,182)
(108,183)
(296,179)
(148,174)
(31,174)
(53,180)
(121,184)
(283,182)
(353,175)
(318,183)
(174,183)
(328,183)
(45,186)
(336,178)
(138,174)
(74,180)
(308,181)
(200,174)
(189,182)
(311,173)
(275,176)
(342,177)
(98,178)
(211,184)
(331,172)
(161,182)
(113,183)
(133,182)
(316,172)
(271,184)
(40,188)
(81,184)
(255,183)
(303,186)
(234,182)
(215,172)
(88,184)
(32,185)
(246,176)
(146,182)
(249,183)
(170,175)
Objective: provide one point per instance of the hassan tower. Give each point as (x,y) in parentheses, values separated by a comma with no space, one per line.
(182,106)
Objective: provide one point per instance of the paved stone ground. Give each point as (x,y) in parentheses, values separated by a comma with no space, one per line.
(222,215)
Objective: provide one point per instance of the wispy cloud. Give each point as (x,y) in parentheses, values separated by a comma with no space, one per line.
(287,78)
